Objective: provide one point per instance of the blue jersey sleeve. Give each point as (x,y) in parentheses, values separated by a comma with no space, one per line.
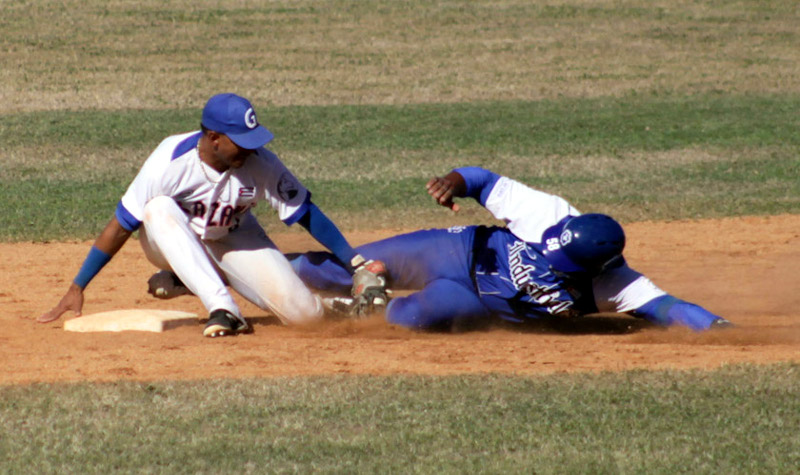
(479,182)
(324,231)
(126,219)
(668,310)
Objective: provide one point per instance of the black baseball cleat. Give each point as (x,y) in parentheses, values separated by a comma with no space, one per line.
(166,285)
(721,323)
(224,323)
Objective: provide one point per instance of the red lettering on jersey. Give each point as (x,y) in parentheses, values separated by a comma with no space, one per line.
(226,216)
(198,208)
(210,221)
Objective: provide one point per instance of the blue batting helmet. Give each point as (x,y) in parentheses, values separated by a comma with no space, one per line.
(586,243)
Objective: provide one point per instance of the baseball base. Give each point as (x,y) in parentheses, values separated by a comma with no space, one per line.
(131,320)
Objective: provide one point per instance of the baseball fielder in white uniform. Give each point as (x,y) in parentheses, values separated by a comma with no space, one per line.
(191,201)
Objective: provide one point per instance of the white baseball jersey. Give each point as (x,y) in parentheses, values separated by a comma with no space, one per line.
(215,202)
(529,213)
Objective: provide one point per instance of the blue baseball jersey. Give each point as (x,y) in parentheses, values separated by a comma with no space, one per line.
(513,278)
(517,253)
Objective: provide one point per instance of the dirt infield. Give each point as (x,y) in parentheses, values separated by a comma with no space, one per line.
(742,268)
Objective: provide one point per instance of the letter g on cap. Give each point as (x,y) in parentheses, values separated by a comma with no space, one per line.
(250,118)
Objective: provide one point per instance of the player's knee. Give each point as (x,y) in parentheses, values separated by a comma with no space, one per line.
(301,310)
(160,209)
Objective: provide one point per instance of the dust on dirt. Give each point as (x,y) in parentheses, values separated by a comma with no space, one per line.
(741,268)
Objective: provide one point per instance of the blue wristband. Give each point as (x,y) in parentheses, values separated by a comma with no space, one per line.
(95,261)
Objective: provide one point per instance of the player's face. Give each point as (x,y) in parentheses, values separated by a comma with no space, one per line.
(228,154)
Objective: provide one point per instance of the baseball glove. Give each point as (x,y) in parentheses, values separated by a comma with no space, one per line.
(369,286)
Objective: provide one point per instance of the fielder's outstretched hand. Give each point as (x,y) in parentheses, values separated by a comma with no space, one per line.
(72,300)
(444,189)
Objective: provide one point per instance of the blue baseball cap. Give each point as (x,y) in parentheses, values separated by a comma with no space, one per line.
(235,117)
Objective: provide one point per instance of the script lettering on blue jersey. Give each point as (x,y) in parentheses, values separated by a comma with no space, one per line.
(520,272)
(521,276)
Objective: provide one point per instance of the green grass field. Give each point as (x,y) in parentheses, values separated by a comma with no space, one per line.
(661,109)
(635,158)
(736,420)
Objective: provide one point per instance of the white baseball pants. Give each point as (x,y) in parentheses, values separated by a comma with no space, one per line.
(246,259)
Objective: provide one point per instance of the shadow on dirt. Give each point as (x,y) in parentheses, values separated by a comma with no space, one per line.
(594,324)
(263,321)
